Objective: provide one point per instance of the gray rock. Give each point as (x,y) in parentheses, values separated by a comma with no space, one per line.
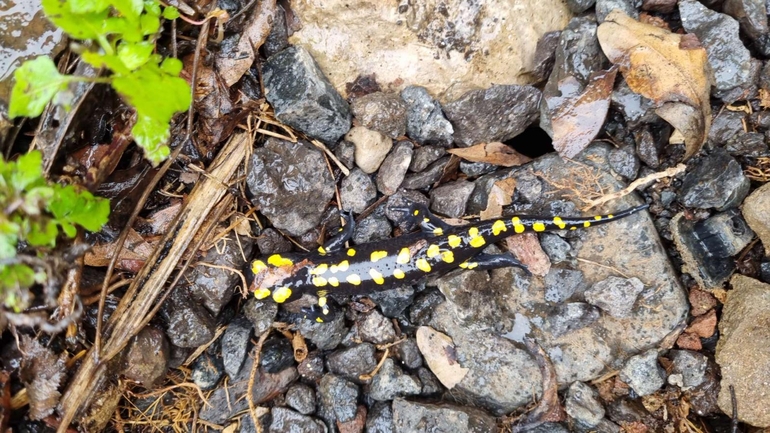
(528,186)
(302,96)
(276,355)
(352,362)
(561,284)
(311,368)
(409,354)
(376,328)
(647,147)
(688,368)
(394,301)
(751,144)
(556,248)
(717,182)
(301,398)
(146,360)
(278,39)
(380,418)
(430,383)
(422,309)
(381,112)
(424,156)
(629,7)
(579,6)
(214,282)
(425,122)
(390,382)
(427,177)
(326,335)
(393,169)
(451,198)
(614,295)
(371,148)
(473,169)
(735,72)
(570,317)
(545,51)
(495,114)
(188,323)
(346,153)
(235,342)
(416,417)
(726,125)
(624,162)
(636,109)
(663,6)
(261,313)
(287,421)
(357,191)
(207,370)
(338,398)
(290,184)
(751,14)
(271,242)
(756,210)
(583,406)
(372,228)
(643,374)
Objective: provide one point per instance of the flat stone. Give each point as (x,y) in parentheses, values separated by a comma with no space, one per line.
(301,398)
(451,198)
(393,169)
(545,52)
(376,328)
(353,361)
(718,182)
(425,122)
(380,418)
(425,155)
(391,382)
(579,6)
(338,398)
(643,374)
(189,324)
(582,405)
(411,416)
(616,296)
(381,112)
(357,191)
(214,282)
(287,421)
(371,148)
(751,14)
(235,343)
(146,360)
(604,7)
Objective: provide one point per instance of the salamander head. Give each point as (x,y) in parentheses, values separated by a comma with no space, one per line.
(271,277)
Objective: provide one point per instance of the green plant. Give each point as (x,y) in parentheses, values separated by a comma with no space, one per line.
(121,33)
(34,211)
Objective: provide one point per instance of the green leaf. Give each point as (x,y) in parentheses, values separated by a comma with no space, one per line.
(151,135)
(134,55)
(154,93)
(28,170)
(9,238)
(129,8)
(42,233)
(170,13)
(37,82)
(171,66)
(86,6)
(111,61)
(70,206)
(150,24)
(89,25)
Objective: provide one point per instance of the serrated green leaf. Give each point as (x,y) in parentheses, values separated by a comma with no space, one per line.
(78,207)
(153,93)
(37,82)
(28,171)
(152,135)
(152,7)
(129,8)
(42,233)
(36,199)
(150,24)
(170,13)
(134,55)
(79,26)
(86,6)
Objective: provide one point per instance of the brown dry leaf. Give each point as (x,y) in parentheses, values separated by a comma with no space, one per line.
(577,117)
(500,195)
(492,153)
(232,64)
(439,352)
(134,253)
(669,68)
(42,372)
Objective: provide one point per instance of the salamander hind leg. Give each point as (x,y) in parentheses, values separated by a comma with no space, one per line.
(325,310)
(343,235)
(485,262)
(419,214)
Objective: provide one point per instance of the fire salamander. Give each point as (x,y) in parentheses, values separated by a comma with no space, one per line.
(436,249)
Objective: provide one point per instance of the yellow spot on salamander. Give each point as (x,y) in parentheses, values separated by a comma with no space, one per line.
(438,231)
(281,295)
(322,251)
(319,281)
(398,273)
(598,217)
(376,276)
(473,232)
(261,293)
(353,279)
(320,269)
(278,260)
(610,216)
(322,301)
(404,256)
(468,265)
(341,266)
(573,228)
(498,227)
(377,255)
(447,256)
(587,224)
(258,266)
(538,227)
(351,252)
(423,265)
(454,241)
(433,251)
(416,212)
(426,220)
(477,242)
(334,282)
(559,222)
(518,227)
(319,320)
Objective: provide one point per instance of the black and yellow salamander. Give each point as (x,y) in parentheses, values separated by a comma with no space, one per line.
(363,269)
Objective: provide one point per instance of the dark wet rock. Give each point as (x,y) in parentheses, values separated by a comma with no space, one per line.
(402,199)
(207,370)
(579,6)
(643,374)
(278,39)
(372,228)
(287,421)
(301,398)
(381,112)
(561,284)
(548,427)
(235,344)
(707,246)
(371,147)
(751,14)
(556,248)
(629,7)
(662,6)
(178,356)
(528,186)
(393,169)
(495,114)
(261,313)
(422,308)
(380,418)
(338,398)
(430,383)
(214,282)
(473,169)
(614,295)
(424,156)
(271,242)
(425,122)
(688,368)
(390,382)
(735,72)
(291,184)
(376,328)
(647,148)
(411,416)
(409,354)
(302,96)
(743,350)
(357,191)
(545,51)
(451,198)
(188,323)
(312,367)
(276,355)
(427,177)
(624,162)
(393,302)
(146,360)
(703,398)
(760,120)
(717,182)
(346,153)
(726,125)
(751,144)
(583,406)
(570,317)
(353,362)
(756,210)
(636,109)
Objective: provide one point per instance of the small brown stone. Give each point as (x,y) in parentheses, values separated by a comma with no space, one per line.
(701,302)
(704,325)
(689,341)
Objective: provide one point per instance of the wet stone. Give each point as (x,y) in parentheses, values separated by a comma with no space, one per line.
(424,156)
(312,367)
(583,406)
(615,296)
(271,242)
(557,249)
(381,112)
(380,418)
(372,228)
(371,147)
(688,368)
(646,147)
(409,354)
(663,6)
(302,96)
(624,162)
(276,355)
(352,362)
(451,198)
(146,360)
(756,210)
(338,398)
(291,184)
(718,182)
(287,421)
(235,343)
(751,144)
(393,302)
(561,284)
(357,191)
(427,177)
(393,169)
(495,114)
(391,382)
(346,153)
(726,125)
(402,199)
(473,169)
(636,109)
(579,6)
(643,374)
(301,398)
(569,317)
(760,120)
(207,370)
(528,186)
(545,51)
(422,308)
(189,324)
(430,383)
(261,313)
(425,122)
(735,72)
(214,286)
(751,14)
(629,7)
(376,328)
(411,416)
(278,39)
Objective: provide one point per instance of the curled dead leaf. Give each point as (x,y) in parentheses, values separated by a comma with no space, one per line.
(492,153)
(668,68)
(500,195)
(439,352)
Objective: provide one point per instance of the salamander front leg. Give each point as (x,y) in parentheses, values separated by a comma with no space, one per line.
(323,311)
(485,262)
(420,214)
(343,235)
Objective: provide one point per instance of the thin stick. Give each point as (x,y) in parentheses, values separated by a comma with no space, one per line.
(669,172)
(252,374)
